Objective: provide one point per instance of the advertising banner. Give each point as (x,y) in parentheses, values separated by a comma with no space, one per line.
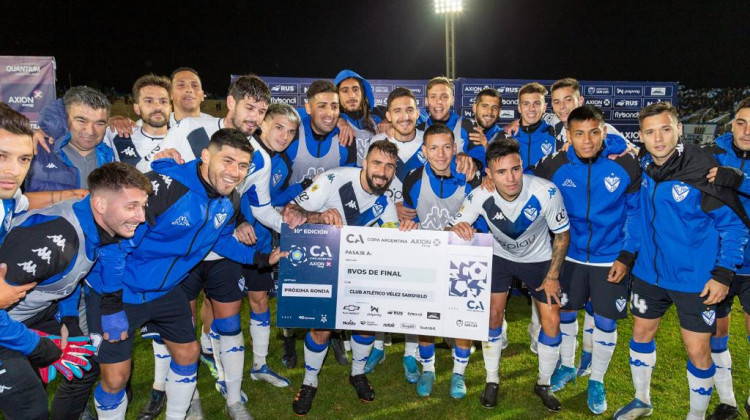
(27,84)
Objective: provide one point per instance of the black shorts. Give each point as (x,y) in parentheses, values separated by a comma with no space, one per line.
(532,274)
(740,287)
(169,315)
(257,280)
(651,302)
(581,282)
(222,280)
(23,396)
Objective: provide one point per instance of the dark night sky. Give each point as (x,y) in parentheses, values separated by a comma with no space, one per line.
(698,43)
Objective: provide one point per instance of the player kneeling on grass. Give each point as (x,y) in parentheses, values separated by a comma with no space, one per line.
(323,203)
(520,213)
(688,241)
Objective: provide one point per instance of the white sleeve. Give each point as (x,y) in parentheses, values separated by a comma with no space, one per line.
(389,218)
(314,198)
(555,213)
(469,211)
(176,139)
(268,216)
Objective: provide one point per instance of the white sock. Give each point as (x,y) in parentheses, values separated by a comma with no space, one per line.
(491,353)
(548,351)
(216,347)
(361,348)
(587,344)
(604,348)
(379,341)
(181,382)
(233,361)
(411,342)
(460,359)
(260,331)
(110,406)
(315,354)
(642,362)
(700,382)
(723,377)
(427,357)
(206,346)
(569,331)
(161,364)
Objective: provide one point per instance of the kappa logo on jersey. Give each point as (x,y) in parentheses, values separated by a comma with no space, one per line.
(331,177)
(620,303)
(709,316)
(498,216)
(351,204)
(51,166)
(569,183)
(546,148)
(28,267)
(58,240)
(4,388)
(44,253)
(181,221)
(531,213)
(167,181)
(612,182)
(251,169)
(128,151)
(155,187)
(219,220)
(552,191)
(276,179)
(680,192)
(637,303)
(437,218)
(377,208)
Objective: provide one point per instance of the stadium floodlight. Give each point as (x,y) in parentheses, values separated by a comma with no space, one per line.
(450,8)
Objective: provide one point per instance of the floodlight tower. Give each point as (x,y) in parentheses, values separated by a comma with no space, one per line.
(450,8)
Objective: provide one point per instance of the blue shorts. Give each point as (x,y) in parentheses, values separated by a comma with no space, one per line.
(223,281)
(168,315)
(740,287)
(532,274)
(581,282)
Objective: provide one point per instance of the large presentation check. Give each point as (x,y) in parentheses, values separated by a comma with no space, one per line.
(375,279)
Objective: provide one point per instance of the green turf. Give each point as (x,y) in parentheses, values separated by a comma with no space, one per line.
(395,399)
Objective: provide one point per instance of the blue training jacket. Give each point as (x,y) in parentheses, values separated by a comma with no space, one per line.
(601,196)
(683,237)
(728,155)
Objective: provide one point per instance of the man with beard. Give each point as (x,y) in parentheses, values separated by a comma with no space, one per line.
(151,102)
(356,197)
(356,102)
(55,247)
(485,128)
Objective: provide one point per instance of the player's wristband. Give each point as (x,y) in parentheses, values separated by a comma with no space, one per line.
(111,303)
(626,258)
(722,275)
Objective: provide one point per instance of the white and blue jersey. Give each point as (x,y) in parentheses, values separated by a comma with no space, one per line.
(521,227)
(11,208)
(133,149)
(341,189)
